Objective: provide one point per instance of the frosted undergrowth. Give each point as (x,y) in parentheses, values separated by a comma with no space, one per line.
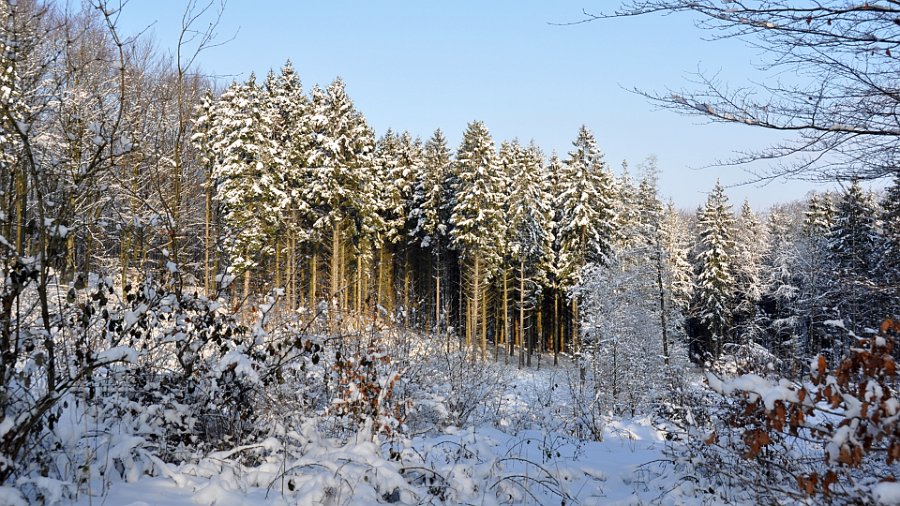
(461,466)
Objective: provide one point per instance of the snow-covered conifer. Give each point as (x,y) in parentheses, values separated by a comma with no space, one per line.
(751,245)
(250,193)
(477,220)
(586,200)
(714,296)
(854,241)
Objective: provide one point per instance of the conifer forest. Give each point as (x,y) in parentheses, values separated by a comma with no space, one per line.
(236,291)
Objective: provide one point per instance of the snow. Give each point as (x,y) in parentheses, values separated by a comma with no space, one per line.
(769,392)
(118,354)
(834,323)
(10,496)
(240,364)
(887,492)
(491,469)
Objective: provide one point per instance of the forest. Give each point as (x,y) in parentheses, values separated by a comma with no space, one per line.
(241,291)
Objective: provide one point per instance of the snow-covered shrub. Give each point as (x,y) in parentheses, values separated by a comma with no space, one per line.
(746,358)
(123,379)
(834,437)
(366,378)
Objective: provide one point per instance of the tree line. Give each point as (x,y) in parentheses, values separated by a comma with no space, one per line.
(118,162)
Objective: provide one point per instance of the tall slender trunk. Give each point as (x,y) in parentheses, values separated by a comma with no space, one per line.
(21,209)
(246,298)
(360,284)
(438,314)
(88,243)
(521,330)
(313,271)
(383,270)
(467,306)
(277,266)
(406,283)
(343,287)
(557,337)
(662,301)
(207,238)
(335,265)
(575,337)
(291,271)
(476,295)
(505,305)
(540,334)
(124,252)
(484,326)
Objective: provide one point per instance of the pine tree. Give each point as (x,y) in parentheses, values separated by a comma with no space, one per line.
(814,267)
(783,283)
(429,216)
(528,235)
(249,192)
(658,235)
(674,236)
(715,270)
(342,186)
(854,241)
(751,245)
(890,218)
(819,215)
(555,262)
(430,193)
(586,200)
(477,221)
(587,225)
(202,139)
(290,132)
(631,227)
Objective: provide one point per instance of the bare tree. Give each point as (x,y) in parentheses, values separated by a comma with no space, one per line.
(834,84)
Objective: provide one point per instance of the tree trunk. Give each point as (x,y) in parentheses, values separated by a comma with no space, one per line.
(662,301)
(313,271)
(505,306)
(521,330)
(208,284)
(21,209)
(246,298)
(407,281)
(476,294)
(557,337)
(277,266)
(484,326)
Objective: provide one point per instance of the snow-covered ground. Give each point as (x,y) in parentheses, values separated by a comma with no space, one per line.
(628,467)
(472,465)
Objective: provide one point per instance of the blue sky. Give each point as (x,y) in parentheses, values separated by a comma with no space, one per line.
(420,65)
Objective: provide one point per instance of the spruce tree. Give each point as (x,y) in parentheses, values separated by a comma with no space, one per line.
(288,107)
(814,268)
(751,244)
(528,235)
(477,221)
(854,241)
(249,192)
(588,222)
(202,140)
(586,200)
(342,186)
(890,219)
(714,296)
(429,216)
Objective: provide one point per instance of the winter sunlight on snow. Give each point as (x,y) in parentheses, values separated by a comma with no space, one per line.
(239,291)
